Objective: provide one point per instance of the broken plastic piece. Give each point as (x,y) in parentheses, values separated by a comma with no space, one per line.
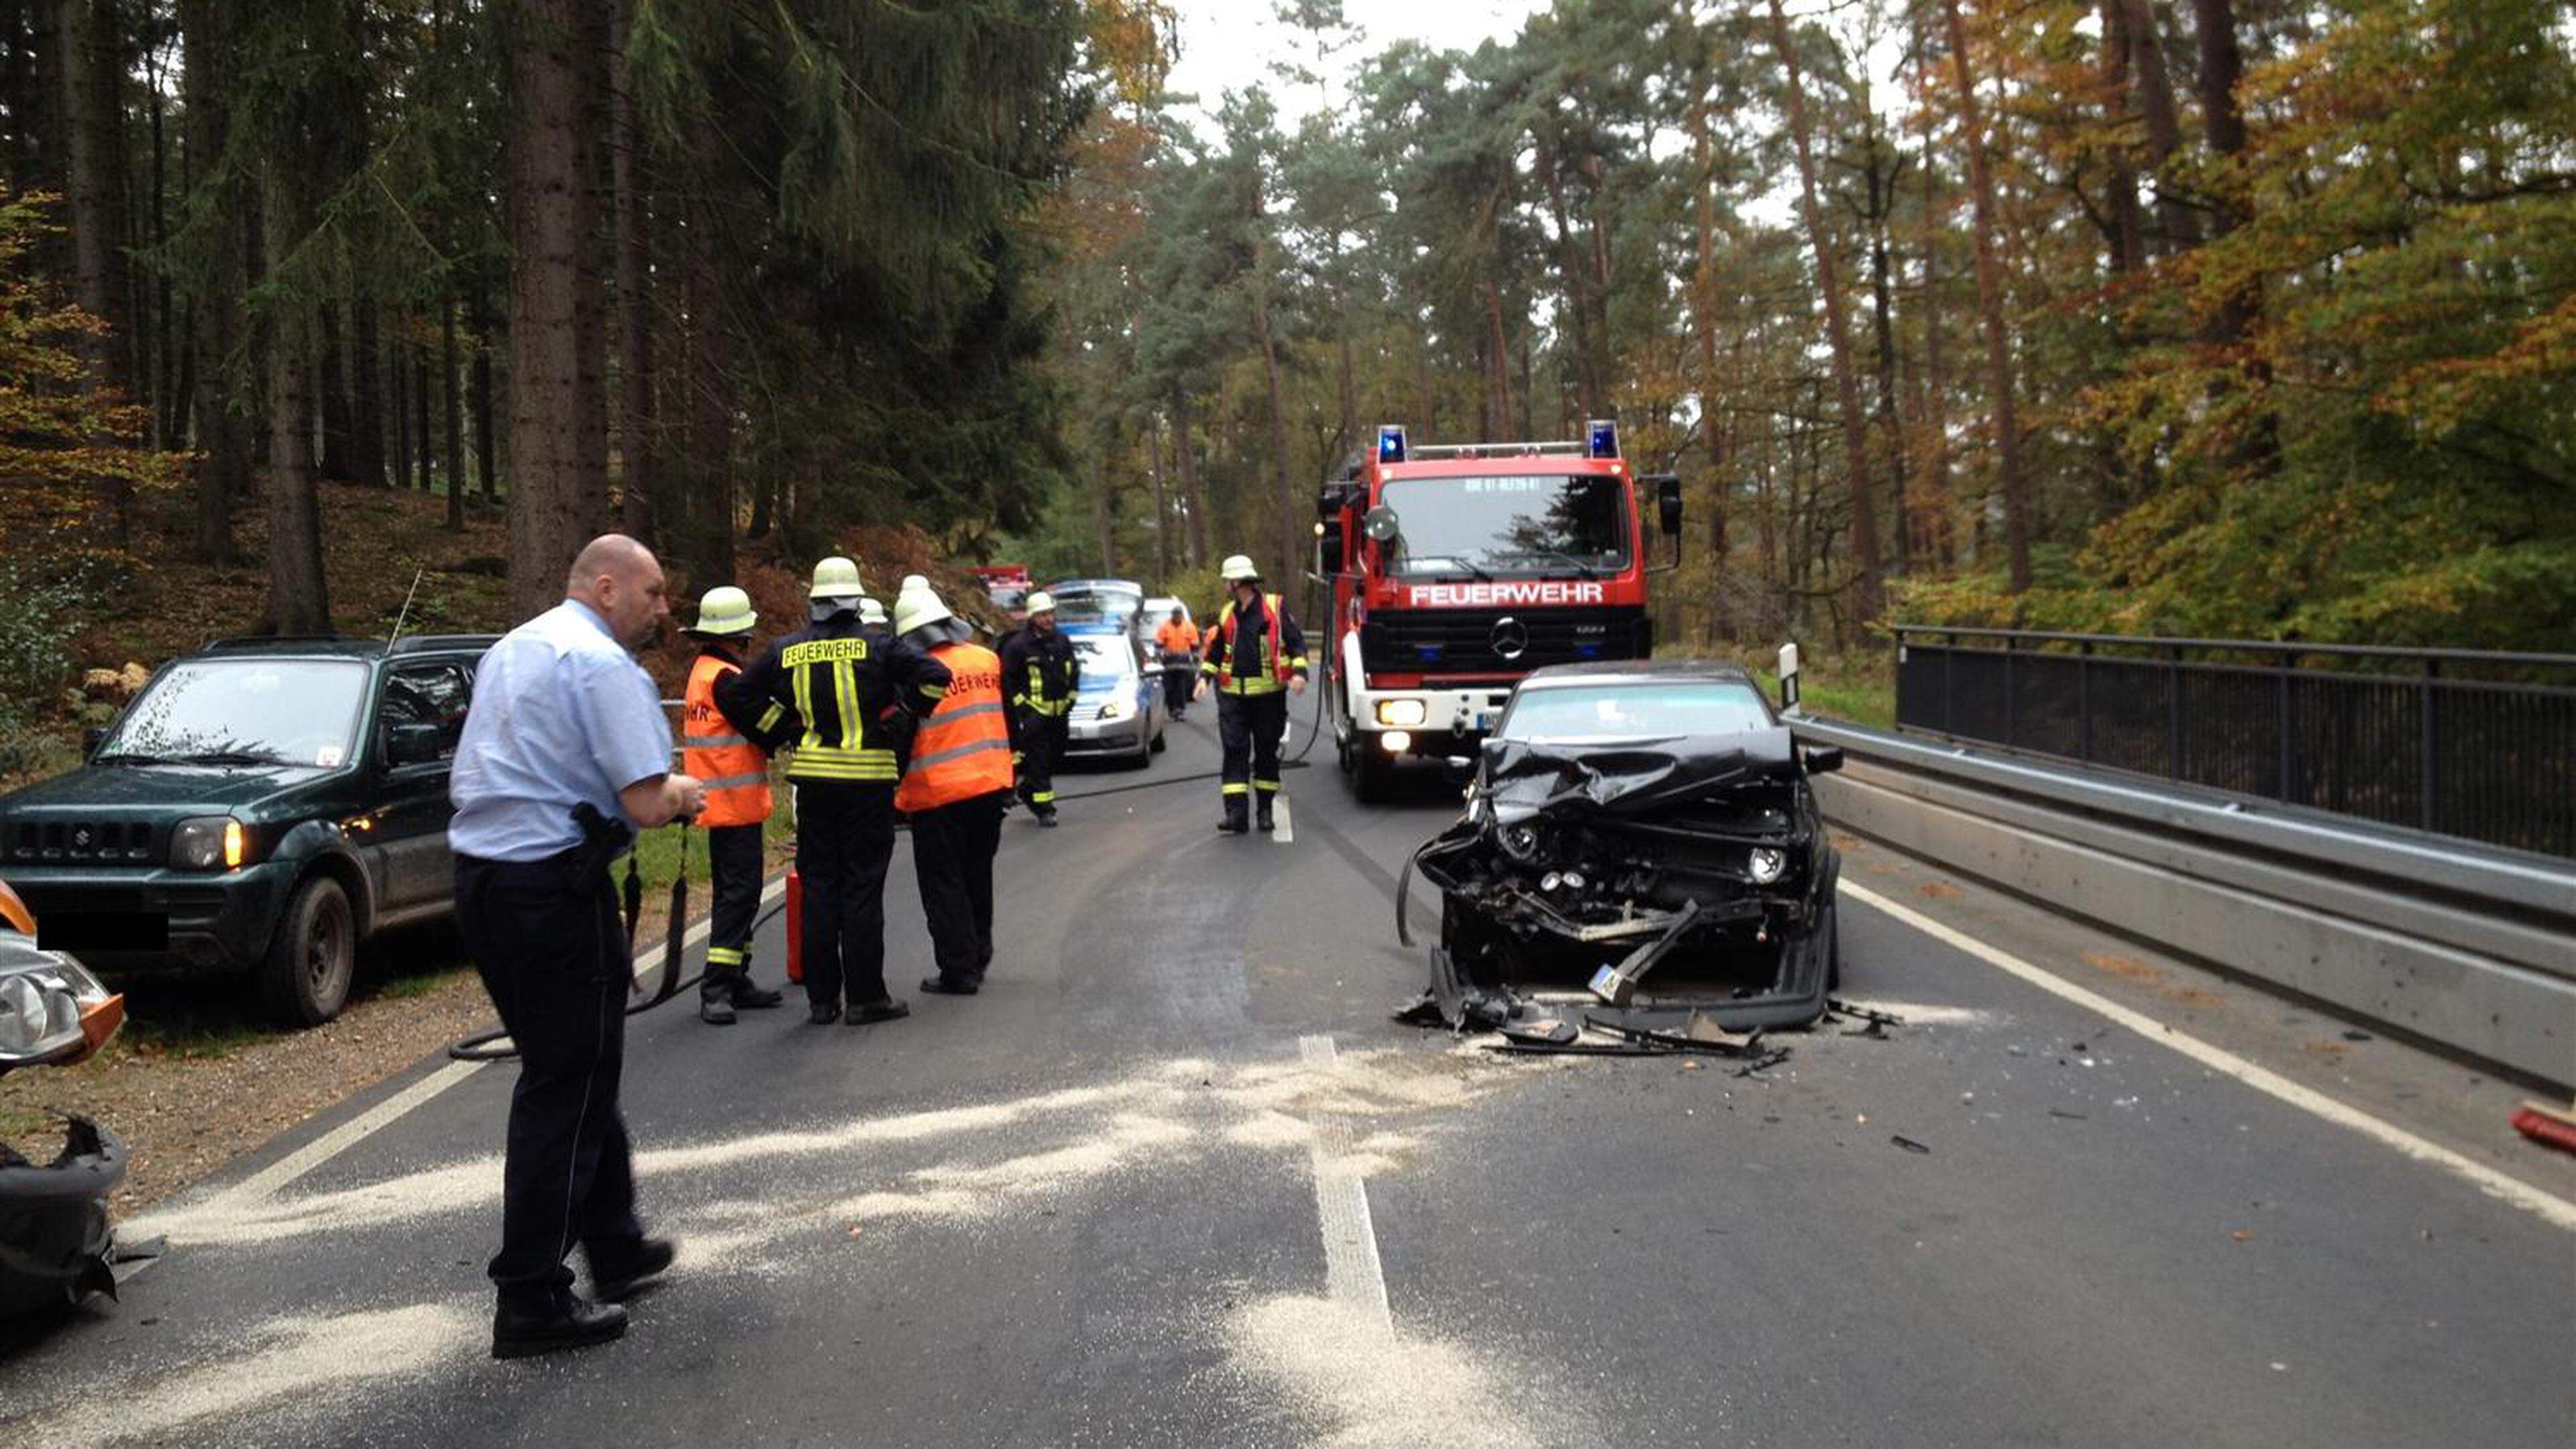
(1540,1031)
(1909,1144)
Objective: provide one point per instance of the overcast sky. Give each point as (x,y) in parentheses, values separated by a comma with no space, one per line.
(1229,44)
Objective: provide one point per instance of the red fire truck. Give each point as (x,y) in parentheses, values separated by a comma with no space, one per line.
(1456,569)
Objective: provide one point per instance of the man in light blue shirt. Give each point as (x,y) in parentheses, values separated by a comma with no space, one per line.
(565,754)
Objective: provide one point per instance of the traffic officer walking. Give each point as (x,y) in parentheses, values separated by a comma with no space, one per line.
(1176,639)
(733,763)
(1255,657)
(1039,673)
(564,756)
(847,692)
(954,790)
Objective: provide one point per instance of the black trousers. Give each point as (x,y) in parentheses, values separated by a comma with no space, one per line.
(1040,740)
(844,841)
(546,939)
(1249,726)
(1178,681)
(734,864)
(952,857)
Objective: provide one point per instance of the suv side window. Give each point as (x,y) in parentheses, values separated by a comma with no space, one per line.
(431,694)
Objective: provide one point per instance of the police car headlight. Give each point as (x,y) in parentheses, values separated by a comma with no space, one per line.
(41,1009)
(1766,864)
(1403,713)
(1118,708)
(211,842)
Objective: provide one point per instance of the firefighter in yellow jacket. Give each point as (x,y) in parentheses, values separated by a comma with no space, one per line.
(1255,657)
(954,789)
(734,764)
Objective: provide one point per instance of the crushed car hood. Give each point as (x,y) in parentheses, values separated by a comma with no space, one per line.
(1631,778)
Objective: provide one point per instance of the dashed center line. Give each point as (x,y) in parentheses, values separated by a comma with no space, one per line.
(1353,1275)
(1279,812)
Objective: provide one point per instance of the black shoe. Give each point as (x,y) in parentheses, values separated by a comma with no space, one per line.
(751,996)
(716,1010)
(1232,824)
(629,1268)
(1047,819)
(823,1013)
(950,985)
(571,1321)
(1261,813)
(869,1013)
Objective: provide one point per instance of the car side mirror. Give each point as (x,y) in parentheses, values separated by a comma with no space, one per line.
(1668,501)
(91,739)
(414,744)
(1824,759)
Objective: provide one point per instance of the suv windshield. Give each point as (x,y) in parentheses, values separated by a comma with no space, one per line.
(245,711)
(1634,711)
(1574,526)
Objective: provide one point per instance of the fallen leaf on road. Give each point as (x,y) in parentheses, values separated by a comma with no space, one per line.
(2242,1236)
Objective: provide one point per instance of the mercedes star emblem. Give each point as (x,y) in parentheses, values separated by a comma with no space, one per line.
(1511,638)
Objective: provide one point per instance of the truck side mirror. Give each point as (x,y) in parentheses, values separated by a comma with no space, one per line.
(91,739)
(1668,501)
(1381,524)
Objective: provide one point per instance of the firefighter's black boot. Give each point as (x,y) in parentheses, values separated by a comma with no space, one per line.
(715,996)
(749,995)
(1261,811)
(1233,823)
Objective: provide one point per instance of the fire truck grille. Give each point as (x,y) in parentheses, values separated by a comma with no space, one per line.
(1457,641)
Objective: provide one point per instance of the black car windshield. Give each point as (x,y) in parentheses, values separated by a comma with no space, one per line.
(245,711)
(1574,526)
(1657,709)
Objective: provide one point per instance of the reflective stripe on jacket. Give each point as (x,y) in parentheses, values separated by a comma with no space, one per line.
(841,686)
(964,749)
(734,770)
(1282,655)
(1039,672)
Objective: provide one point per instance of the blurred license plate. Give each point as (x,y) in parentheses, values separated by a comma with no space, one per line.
(100,931)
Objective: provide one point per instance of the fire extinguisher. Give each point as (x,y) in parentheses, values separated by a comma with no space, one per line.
(795,925)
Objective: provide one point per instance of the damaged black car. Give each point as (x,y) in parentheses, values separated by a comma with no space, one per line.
(56,1246)
(1638,817)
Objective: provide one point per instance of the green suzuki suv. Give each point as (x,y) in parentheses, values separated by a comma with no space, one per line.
(262,806)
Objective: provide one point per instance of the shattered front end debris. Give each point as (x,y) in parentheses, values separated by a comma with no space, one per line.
(1626,857)
(56,1247)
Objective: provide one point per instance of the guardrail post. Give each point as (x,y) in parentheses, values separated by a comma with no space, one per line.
(1949,651)
(2173,711)
(2424,730)
(2288,755)
(2084,701)
(2008,692)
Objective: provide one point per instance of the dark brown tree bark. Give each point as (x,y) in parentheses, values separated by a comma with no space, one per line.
(299,599)
(1286,494)
(1990,307)
(2125,232)
(1103,521)
(1927,510)
(366,399)
(339,413)
(398,392)
(2176,225)
(558,466)
(455,416)
(1703,305)
(638,471)
(219,333)
(711,495)
(93,105)
(1866,599)
(1185,456)
(1880,175)
(1162,502)
(487,461)
(420,433)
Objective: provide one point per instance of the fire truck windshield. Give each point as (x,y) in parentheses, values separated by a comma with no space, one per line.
(1573,526)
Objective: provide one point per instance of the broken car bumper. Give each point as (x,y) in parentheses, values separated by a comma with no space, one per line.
(55,1242)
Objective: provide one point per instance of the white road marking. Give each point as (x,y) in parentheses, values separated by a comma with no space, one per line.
(2558,1211)
(269,1180)
(1353,1276)
(1279,813)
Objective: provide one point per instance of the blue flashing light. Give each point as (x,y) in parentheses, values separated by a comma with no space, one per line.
(1390,443)
(1603,438)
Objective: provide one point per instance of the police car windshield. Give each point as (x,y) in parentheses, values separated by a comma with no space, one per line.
(1660,709)
(245,711)
(1103,656)
(1542,525)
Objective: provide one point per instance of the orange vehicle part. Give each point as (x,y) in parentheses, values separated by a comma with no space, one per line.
(14,911)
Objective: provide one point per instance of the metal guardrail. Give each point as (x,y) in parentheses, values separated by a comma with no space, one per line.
(2463,945)
(2479,745)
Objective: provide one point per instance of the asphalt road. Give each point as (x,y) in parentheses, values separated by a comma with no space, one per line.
(1175,1179)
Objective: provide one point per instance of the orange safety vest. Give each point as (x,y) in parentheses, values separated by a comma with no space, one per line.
(1274,673)
(733,769)
(964,748)
(1178,638)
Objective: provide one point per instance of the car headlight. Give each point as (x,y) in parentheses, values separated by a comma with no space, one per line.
(1520,842)
(1402,713)
(1766,864)
(49,1012)
(209,842)
(1118,707)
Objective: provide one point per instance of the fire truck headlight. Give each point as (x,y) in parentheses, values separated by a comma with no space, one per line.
(1407,713)
(1396,742)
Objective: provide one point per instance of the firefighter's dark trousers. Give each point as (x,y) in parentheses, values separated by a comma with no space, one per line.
(547,942)
(1249,726)
(952,857)
(844,841)
(733,882)
(1039,740)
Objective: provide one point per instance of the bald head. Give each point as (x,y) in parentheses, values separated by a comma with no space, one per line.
(622,582)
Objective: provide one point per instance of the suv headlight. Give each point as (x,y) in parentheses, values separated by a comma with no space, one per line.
(56,1011)
(1766,864)
(209,842)
(1402,713)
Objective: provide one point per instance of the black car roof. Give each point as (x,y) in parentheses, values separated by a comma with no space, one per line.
(333,646)
(1708,669)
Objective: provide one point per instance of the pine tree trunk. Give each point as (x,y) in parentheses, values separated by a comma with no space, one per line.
(455,419)
(299,600)
(93,71)
(487,460)
(2176,225)
(339,431)
(398,390)
(1278,440)
(1162,504)
(1990,307)
(556,475)
(1101,518)
(2222,67)
(710,537)
(366,398)
(223,442)
(420,419)
(595,279)
(1880,178)
(1186,457)
(1703,305)
(639,471)
(2125,234)
(1865,582)
(1927,511)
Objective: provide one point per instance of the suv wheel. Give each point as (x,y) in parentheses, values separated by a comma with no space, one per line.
(305,979)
